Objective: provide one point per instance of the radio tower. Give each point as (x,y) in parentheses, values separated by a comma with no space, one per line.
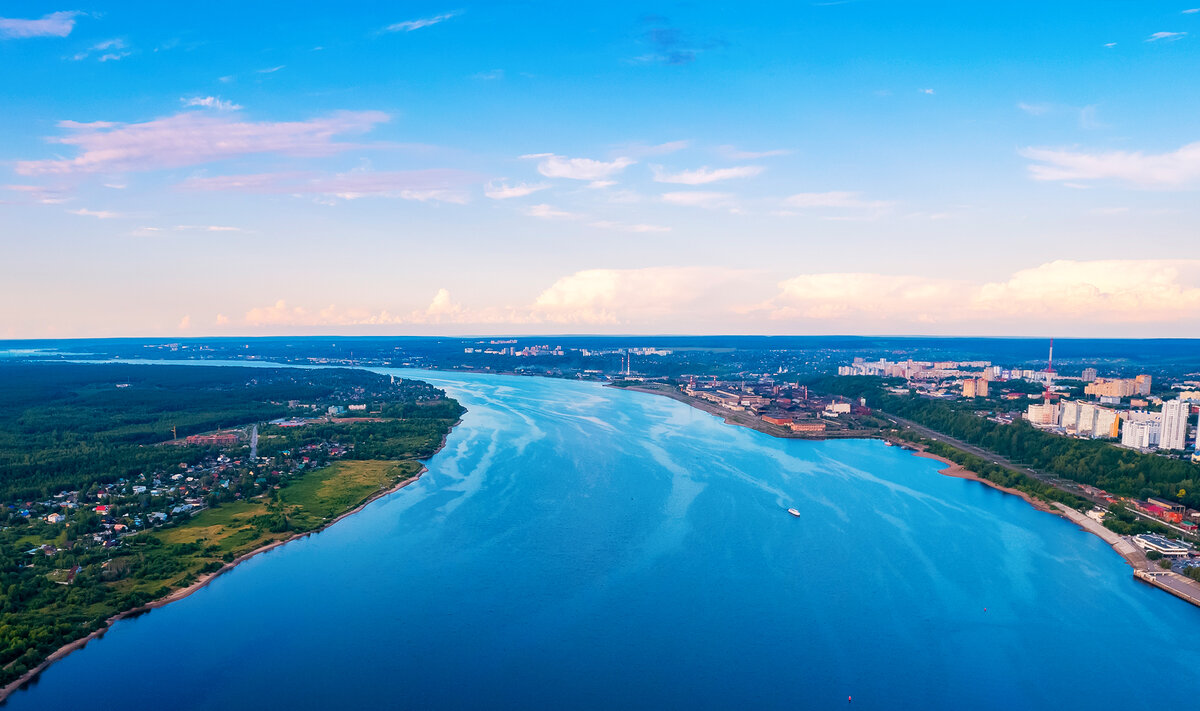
(1049,372)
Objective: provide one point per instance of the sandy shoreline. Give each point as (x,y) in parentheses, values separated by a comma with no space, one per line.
(958,471)
(203,580)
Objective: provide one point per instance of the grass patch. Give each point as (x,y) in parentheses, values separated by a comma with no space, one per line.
(329,492)
(308,503)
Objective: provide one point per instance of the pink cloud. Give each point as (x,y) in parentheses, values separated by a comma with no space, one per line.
(194,138)
(422,185)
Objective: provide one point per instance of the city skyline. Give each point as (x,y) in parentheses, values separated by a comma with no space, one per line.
(854,167)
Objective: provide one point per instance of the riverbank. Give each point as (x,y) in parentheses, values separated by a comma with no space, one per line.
(1180,586)
(205,579)
(958,471)
(745,419)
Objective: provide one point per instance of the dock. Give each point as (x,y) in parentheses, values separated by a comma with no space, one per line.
(1178,585)
(1174,583)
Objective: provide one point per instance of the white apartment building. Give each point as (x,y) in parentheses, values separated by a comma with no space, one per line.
(1174,424)
(1142,430)
(1087,419)
(1042,415)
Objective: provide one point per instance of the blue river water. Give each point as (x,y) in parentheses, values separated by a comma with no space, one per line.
(575,546)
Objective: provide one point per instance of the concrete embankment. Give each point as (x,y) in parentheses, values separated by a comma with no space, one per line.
(1120,544)
(1178,585)
(1181,587)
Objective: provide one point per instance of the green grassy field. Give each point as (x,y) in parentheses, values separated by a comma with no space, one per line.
(307,503)
(328,492)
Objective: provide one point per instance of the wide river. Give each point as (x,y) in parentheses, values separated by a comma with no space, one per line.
(575,546)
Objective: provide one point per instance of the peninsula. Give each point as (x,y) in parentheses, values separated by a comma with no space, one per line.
(130,486)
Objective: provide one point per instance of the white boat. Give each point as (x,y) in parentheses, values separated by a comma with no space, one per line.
(794,512)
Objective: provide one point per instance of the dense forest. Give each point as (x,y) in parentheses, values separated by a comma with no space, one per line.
(1119,471)
(66,426)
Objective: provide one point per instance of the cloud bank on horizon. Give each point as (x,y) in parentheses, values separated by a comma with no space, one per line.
(492,169)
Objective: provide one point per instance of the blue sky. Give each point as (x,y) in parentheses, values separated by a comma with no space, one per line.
(1022,168)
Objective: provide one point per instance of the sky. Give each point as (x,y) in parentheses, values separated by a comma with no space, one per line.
(424,168)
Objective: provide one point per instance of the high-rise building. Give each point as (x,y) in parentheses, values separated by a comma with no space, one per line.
(1112,387)
(1143,384)
(975,387)
(1142,430)
(1042,415)
(1071,420)
(1175,415)
(1089,374)
(1107,423)
(1087,419)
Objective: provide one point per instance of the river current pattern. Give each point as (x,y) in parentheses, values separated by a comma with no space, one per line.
(575,546)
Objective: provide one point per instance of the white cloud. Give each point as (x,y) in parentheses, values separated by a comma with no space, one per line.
(441,309)
(492,75)
(836,199)
(1101,292)
(155,231)
(207,228)
(548,212)
(1191,11)
(697,198)
(556,166)
(56,24)
(41,193)
(618,296)
(419,185)
(926,91)
(1168,36)
(210,102)
(642,150)
(109,50)
(1110,45)
(733,153)
(1088,120)
(281,314)
(1035,109)
(192,138)
(623,227)
(270,70)
(1179,168)
(1055,297)
(98,214)
(410,25)
(705,175)
(504,191)
(185,323)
